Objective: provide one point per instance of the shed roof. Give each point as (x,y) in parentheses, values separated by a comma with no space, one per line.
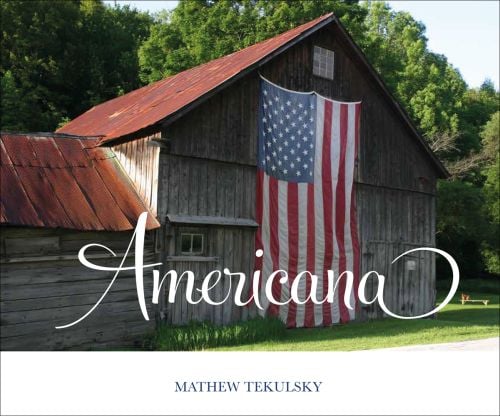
(60,181)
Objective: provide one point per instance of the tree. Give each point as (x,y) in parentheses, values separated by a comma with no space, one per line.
(61,57)
(197,31)
(427,85)
(491,138)
(462,225)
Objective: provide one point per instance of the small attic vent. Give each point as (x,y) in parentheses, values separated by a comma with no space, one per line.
(323,62)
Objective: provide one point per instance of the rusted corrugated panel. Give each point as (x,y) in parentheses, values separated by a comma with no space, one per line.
(58,182)
(148,105)
(114,176)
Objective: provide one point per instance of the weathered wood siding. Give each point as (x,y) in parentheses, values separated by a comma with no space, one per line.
(43,285)
(211,165)
(140,159)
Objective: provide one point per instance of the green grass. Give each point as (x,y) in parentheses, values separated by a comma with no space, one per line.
(203,335)
(455,322)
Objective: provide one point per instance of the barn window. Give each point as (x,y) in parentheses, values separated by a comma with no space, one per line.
(323,62)
(192,244)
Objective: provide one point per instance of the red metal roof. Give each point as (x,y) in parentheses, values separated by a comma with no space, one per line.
(58,181)
(148,105)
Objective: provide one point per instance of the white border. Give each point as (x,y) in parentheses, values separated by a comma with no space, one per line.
(363,382)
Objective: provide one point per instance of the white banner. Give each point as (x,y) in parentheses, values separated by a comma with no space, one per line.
(156,383)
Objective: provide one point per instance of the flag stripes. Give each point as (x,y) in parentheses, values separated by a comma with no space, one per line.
(307,224)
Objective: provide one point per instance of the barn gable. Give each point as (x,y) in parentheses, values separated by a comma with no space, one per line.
(143,110)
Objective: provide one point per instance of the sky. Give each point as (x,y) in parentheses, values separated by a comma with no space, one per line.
(466,32)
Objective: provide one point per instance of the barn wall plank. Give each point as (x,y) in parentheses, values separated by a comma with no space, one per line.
(38,295)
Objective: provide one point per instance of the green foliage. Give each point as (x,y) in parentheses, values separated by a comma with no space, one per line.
(203,335)
(197,31)
(491,190)
(478,106)
(462,225)
(61,57)
(429,87)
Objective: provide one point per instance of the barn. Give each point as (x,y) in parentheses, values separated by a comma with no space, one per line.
(184,149)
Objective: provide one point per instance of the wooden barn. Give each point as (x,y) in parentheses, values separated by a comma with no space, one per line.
(184,149)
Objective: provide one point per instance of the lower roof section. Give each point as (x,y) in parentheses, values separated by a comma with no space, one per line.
(62,181)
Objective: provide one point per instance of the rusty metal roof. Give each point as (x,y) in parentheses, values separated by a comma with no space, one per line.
(61,181)
(146,106)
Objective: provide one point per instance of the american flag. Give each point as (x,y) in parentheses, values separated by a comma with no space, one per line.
(305,200)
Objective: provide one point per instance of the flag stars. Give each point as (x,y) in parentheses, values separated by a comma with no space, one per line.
(288,129)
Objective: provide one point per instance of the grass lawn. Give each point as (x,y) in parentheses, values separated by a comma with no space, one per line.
(455,322)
